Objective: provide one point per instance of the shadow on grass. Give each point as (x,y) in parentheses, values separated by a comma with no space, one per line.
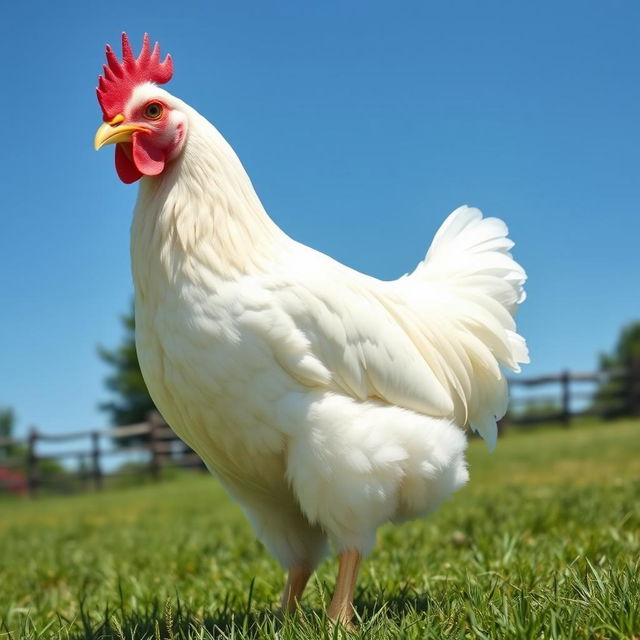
(164,622)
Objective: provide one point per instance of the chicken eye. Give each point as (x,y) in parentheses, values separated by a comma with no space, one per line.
(153,110)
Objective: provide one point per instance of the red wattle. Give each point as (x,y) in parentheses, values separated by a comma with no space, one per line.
(148,159)
(127,171)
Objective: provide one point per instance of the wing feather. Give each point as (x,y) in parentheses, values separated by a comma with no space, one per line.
(432,342)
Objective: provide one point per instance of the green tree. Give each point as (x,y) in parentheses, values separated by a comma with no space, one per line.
(47,467)
(7,423)
(132,402)
(619,393)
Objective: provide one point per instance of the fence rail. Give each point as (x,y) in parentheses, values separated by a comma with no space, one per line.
(23,473)
(613,392)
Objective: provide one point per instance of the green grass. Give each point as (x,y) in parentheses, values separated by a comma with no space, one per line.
(543,543)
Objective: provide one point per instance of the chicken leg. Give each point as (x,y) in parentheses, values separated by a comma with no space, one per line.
(296,582)
(341,608)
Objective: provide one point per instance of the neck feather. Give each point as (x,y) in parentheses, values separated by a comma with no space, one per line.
(202,210)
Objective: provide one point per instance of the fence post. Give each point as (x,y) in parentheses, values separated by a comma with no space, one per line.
(32,462)
(632,379)
(155,465)
(95,459)
(565,381)
(502,425)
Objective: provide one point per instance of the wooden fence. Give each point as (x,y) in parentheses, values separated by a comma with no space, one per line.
(570,397)
(152,437)
(605,393)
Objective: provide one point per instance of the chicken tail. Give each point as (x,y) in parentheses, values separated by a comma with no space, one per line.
(463,297)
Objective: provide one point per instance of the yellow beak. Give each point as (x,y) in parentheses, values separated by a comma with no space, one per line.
(112,132)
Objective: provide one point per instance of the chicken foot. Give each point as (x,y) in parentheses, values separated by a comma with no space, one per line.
(341,608)
(296,582)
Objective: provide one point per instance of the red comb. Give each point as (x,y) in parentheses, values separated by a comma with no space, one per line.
(120,78)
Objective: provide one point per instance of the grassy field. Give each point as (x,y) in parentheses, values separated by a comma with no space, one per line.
(543,543)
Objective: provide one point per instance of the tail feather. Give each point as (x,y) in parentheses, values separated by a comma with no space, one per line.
(463,297)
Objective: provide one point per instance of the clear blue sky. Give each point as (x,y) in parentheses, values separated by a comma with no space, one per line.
(362,125)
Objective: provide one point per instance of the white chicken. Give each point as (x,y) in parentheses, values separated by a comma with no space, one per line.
(326,401)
